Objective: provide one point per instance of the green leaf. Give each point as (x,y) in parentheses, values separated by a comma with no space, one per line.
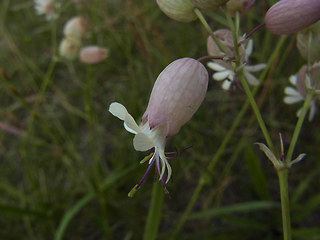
(236,208)
(258,179)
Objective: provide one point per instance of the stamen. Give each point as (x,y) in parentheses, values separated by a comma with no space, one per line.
(146,173)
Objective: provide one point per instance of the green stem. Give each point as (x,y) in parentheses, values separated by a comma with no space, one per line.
(208,28)
(223,145)
(256,111)
(285,204)
(298,127)
(154,214)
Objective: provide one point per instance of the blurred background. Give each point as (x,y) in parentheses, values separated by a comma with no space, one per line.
(67,164)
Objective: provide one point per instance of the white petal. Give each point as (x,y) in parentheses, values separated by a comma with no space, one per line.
(130,124)
(293,79)
(226,85)
(249,47)
(255,68)
(118,110)
(292,99)
(252,80)
(313,110)
(292,92)
(219,76)
(165,161)
(142,142)
(215,66)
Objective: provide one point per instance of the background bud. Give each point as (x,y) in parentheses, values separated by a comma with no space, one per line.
(177,94)
(76,27)
(179,10)
(92,54)
(303,42)
(208,4)
(241,6)
(69,48)
(290,16)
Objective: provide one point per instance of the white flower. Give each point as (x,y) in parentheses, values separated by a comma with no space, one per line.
(297,94)
(145,139)
(226,73)
(46,7)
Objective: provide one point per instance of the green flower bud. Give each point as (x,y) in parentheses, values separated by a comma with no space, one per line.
(303,42)
(179,10)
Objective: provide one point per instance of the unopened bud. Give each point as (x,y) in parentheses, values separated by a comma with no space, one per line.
(241,6)
(208,4)
(93,54)
(308,42)
(290,16)
(76,27)
(179,10)
(69,48)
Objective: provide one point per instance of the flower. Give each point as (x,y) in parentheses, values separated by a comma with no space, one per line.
(290,16)
(69,48)
(225,70)
(76,27)
(46,7)
(177,94)
(92,54)
(302,80)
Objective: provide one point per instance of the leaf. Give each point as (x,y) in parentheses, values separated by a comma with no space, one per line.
(258,179)
(240,207)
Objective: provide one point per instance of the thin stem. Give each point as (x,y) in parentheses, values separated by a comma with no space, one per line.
(223,145)
(256,111)
(297,129)
(208,28)
(285,204)
(154,214)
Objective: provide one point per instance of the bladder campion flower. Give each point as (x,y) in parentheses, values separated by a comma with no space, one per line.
(76,27)
(302,81)
(290,16)
(176,95)
(224,69)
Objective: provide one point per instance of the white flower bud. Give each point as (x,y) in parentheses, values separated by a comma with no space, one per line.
(93,54)
(69,48)
(76,27)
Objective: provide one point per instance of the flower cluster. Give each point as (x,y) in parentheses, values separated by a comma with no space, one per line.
(74,31)
(224,69)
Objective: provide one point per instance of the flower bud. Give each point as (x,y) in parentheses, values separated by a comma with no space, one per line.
(179,10)
(290,16)
(176,95)
(313,50)
(69,48)
(76,27)
(241,6)
(208,4)
(226,39)
(93,54)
